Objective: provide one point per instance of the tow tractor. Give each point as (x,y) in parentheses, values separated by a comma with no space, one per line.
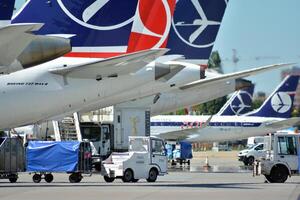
(146,159)
(282,158)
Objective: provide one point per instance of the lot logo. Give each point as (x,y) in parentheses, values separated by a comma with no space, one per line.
(93,14)
(241,103)
(281,102)
(190,26)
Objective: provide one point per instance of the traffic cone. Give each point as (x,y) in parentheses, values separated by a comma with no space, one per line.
(206,166)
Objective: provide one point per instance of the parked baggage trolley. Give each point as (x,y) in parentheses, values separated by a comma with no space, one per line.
(11,158)
(46,157)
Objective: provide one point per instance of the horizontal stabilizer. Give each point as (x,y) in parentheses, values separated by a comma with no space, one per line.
(115,66)
(14,39)
(233,76)
(294,121)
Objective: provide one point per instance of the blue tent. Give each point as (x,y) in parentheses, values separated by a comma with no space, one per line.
(49,156)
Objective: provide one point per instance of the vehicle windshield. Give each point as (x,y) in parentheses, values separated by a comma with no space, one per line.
(250,146)
(138,144)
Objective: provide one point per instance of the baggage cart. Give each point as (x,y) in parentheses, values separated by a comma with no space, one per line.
(46,157)
(11,158)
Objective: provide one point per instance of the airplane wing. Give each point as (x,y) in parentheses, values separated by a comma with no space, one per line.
(284,123)
(119,65)
(184,133)
(232,76)
(14,39)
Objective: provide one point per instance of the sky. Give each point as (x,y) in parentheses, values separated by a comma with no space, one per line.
(263,32)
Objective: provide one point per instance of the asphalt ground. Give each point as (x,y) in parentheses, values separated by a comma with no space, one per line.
(232,182)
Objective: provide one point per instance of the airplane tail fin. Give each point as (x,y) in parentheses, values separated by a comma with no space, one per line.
(98,28)
(280,102)
(239,103)
(151,25)
(6,11)
(194,28)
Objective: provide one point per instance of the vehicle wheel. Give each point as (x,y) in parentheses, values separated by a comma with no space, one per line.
(173,163)
(36,178)
(250,160)
(180,162)
(48,178)
(135,180)
(75,178)
(13,178)
(278,174)
(108,179)
(245,162)
(98,167)
(153,173)
(128,176)
(269,179)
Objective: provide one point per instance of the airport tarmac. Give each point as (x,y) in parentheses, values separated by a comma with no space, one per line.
(178,184)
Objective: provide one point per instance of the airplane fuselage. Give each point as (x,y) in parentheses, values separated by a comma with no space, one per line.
(219,128)
(35,94)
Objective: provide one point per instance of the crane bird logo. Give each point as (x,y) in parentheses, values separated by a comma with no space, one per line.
(242,102)
(281,102)
(89,12)
(190,32)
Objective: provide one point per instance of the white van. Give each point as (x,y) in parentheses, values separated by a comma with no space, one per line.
(252,153)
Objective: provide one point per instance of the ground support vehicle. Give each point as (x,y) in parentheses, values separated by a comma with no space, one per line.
(45,157)
(252,153)
(146,159)
(179,153)
(11,158)
(282,158)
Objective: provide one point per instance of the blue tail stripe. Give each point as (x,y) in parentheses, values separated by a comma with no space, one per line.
(6,9)
(66,17)
(188,36)
(280,102)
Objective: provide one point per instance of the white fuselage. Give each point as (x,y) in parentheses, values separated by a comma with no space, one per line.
(220,128)
(34,95)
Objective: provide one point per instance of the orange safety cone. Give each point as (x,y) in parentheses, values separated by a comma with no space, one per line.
(206,163)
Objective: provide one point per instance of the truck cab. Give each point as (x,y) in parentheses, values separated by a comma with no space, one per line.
(282,158)
(146,159)
(100,137)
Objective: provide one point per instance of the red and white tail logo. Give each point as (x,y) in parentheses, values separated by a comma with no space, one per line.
(151,25)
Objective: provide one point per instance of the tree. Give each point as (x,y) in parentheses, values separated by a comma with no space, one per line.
(256,103)
(215,62)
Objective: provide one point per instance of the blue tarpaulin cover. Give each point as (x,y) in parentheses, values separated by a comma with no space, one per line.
(186,150)
(49,156)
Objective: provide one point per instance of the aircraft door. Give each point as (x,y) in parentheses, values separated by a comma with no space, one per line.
(158,154)
(287,151)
